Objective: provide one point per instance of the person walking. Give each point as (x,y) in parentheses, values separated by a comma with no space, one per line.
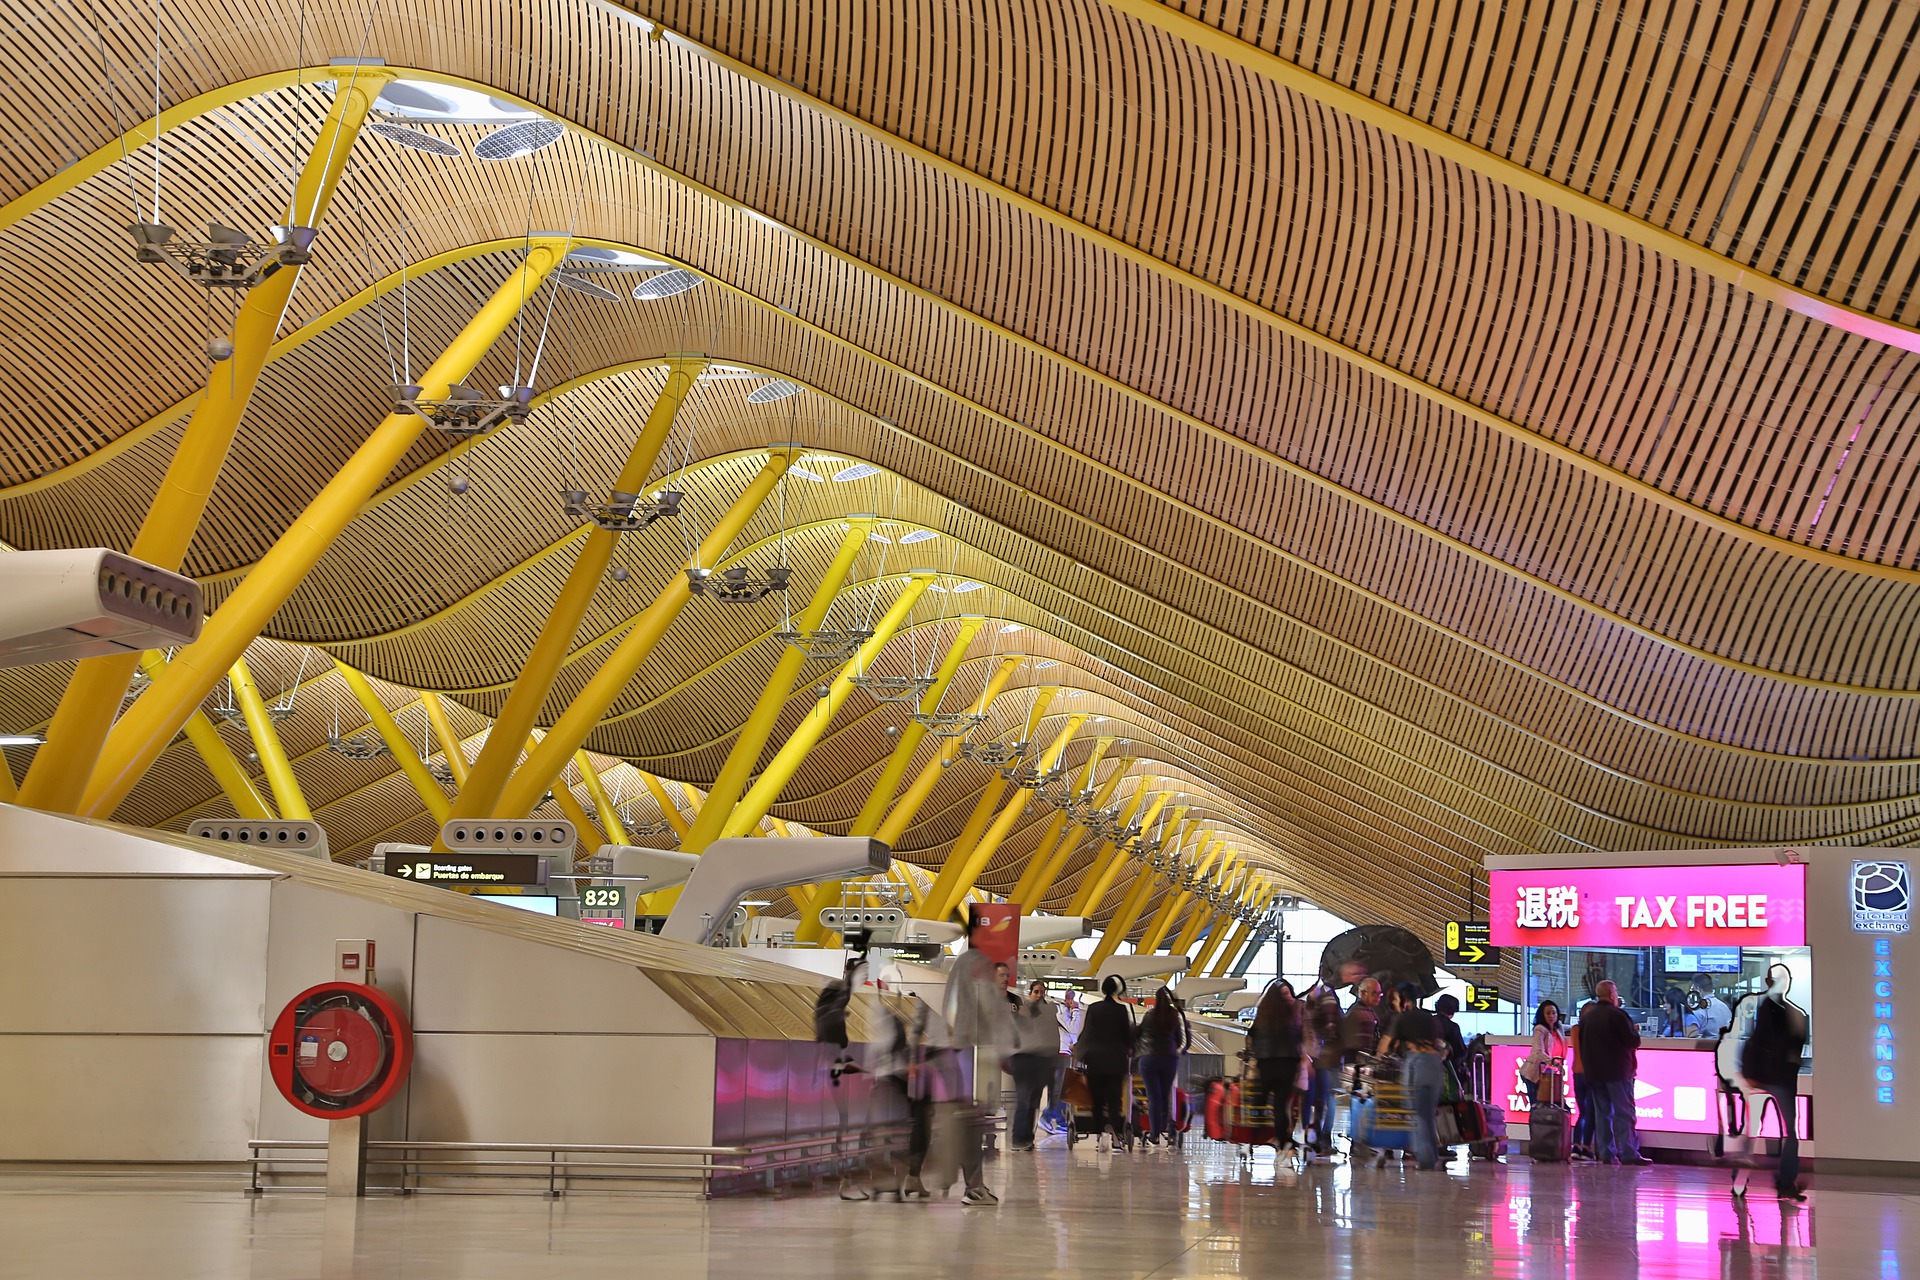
(1164,1036)
(1036,1054)
(1072,1015)
(1276,1043)
(1549,1046)
(978,1018)
(1608,1040)
(1770,1061)
(1416,1038)
(1321,1043)
(1106,1055)
(1443,1010)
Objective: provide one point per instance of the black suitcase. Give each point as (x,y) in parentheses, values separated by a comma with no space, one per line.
(1549,1134)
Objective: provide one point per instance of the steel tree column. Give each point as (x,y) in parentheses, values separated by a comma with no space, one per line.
(1217,928)
(58,778)
(234,781)
(1106,858)
(1204,912)
(535,681)
(1045,873)
(786,762)
(943,893)
(569,732)
(1198,919)
(1176,898)
(1056,831)
(602,802)
(810,929)
(668,809)
(425,785)
(266,742)
(1121,922)
(449,740)
(972,864)
(144,731)
(907,807)
(732,779)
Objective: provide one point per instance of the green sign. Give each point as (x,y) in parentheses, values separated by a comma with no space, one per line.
(603,899)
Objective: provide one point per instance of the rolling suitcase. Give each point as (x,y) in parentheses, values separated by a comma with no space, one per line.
(1494,1144)
(1550,1135)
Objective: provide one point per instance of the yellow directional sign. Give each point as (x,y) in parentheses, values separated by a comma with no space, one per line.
(1482,999)
(1467,945)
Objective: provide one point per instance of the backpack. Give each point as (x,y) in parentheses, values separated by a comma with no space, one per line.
(830,1010)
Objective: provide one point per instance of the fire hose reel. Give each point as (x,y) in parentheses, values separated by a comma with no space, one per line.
(340,1050)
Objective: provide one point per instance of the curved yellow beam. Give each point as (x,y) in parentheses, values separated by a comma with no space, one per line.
(424,784)
(603,805)
(266,741)
(144,731)
(451,745)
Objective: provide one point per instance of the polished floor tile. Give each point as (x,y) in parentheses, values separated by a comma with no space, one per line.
(1166,1214)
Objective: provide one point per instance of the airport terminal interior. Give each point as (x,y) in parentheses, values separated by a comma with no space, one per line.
(994,637)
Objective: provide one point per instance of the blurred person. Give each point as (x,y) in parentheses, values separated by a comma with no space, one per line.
(1277,1044)
(1164,1036)
(1106,1055)
(1770,1061)
(1036,1055)
(1320,1042)
(1675,1021)
(1417,1038)
(1444,1010)
(978,1018)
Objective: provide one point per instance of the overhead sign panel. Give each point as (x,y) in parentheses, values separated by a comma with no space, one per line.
(1468,946)
(467,868)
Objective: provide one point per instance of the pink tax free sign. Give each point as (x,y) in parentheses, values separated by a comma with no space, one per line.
(1762,905)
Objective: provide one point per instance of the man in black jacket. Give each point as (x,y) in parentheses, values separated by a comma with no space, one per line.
(1770,1060)
(1608,1040)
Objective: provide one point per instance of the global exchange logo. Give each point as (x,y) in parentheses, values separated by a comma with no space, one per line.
(1882,897)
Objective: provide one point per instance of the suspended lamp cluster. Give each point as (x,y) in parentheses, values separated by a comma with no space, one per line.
(226,259)
(465,411)
(826,644)
(622,512)
(358,746)
(740,584)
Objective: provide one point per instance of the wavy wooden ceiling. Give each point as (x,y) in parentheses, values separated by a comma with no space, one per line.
(1409,512)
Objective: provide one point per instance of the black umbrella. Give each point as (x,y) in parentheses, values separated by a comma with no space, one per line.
(1384,951)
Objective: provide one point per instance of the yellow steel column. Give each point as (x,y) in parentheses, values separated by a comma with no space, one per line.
(425,785)
(1241,930)
(945,890)
(1135,899)
(780,770)
(266,741)
(974,863)
(668,809)
(586,836)
(1056,862)
(1216,927)
(569,732)
(9,794)
(1056,833)
(60,769)
(602,802)
(144,731)
(535,681)
(1191,933)
(871,813)
(1206,849)
(874,810)
(234,781)
(732,779)
(450,745)
(907,807)
(1170,907)
(1106,859)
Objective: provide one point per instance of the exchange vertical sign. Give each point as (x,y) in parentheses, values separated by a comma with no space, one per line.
(1882,894)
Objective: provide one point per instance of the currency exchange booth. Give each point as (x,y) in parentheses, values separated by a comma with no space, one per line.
(1684,935)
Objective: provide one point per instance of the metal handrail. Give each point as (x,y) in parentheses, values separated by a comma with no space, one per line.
(751,1159)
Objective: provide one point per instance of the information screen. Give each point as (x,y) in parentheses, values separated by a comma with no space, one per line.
(1703,960)
(539,904)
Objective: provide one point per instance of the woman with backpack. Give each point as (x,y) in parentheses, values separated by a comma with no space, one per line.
(1164,1036)
(1105,1050)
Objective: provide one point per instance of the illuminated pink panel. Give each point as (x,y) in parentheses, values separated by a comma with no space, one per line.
(1678,1092)
(1761,905)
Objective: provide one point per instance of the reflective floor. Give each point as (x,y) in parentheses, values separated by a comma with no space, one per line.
(1198,1213)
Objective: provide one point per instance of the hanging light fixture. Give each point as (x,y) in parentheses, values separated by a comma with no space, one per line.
(517,140)
(579,283)
(779,389)
(622,512)
(226,259)
(413,139)
(465,411)
(667,284)
(740,584)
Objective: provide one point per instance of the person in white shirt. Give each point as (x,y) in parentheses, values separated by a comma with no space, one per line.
(1713,1015)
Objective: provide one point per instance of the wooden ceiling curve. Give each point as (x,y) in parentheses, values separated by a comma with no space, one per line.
(1420,489)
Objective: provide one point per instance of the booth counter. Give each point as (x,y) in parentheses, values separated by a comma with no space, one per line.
(1686,935)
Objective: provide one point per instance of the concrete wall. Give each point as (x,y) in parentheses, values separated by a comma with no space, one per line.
(144,976)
